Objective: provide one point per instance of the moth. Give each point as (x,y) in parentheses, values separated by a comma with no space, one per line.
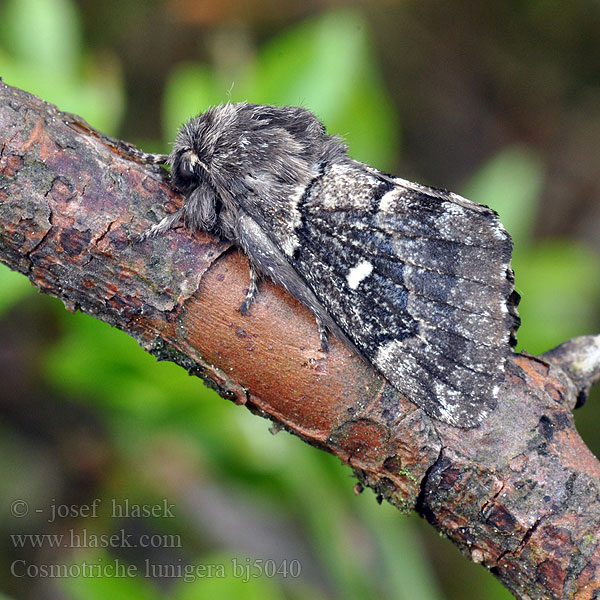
(416,279)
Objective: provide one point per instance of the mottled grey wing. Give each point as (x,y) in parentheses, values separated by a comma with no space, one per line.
(418,279)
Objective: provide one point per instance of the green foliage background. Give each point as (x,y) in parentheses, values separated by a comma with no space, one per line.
(154,433)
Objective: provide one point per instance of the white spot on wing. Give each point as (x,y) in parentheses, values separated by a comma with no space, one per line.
(359,272)
(388,201)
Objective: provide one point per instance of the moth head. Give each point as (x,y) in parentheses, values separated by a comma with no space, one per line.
(187,170)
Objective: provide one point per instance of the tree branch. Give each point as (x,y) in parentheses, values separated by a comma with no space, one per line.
(519,494)
(580,359)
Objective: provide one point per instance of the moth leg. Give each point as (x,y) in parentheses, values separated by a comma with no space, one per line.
(145,157)
(252,290)
(167,223)
(323,335)
(155,159)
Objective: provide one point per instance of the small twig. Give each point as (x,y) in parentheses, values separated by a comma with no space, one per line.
(580,359)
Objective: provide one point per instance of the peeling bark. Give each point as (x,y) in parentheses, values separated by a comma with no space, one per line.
(519,494)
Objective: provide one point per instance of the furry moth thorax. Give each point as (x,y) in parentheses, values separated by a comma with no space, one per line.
(242,150)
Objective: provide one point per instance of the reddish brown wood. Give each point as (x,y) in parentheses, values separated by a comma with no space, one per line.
(520,494)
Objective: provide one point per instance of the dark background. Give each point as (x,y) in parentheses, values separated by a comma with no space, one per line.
(499,101)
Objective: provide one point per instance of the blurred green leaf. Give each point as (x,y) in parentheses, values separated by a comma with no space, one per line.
(511,184)
(191,88)
(41,52)
(138,386)
(42,34)
(560,288)
(15,286)
(214,577)
(99,584)
(313,63)
(404,575)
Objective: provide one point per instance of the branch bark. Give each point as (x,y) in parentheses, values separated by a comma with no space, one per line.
(519,494)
